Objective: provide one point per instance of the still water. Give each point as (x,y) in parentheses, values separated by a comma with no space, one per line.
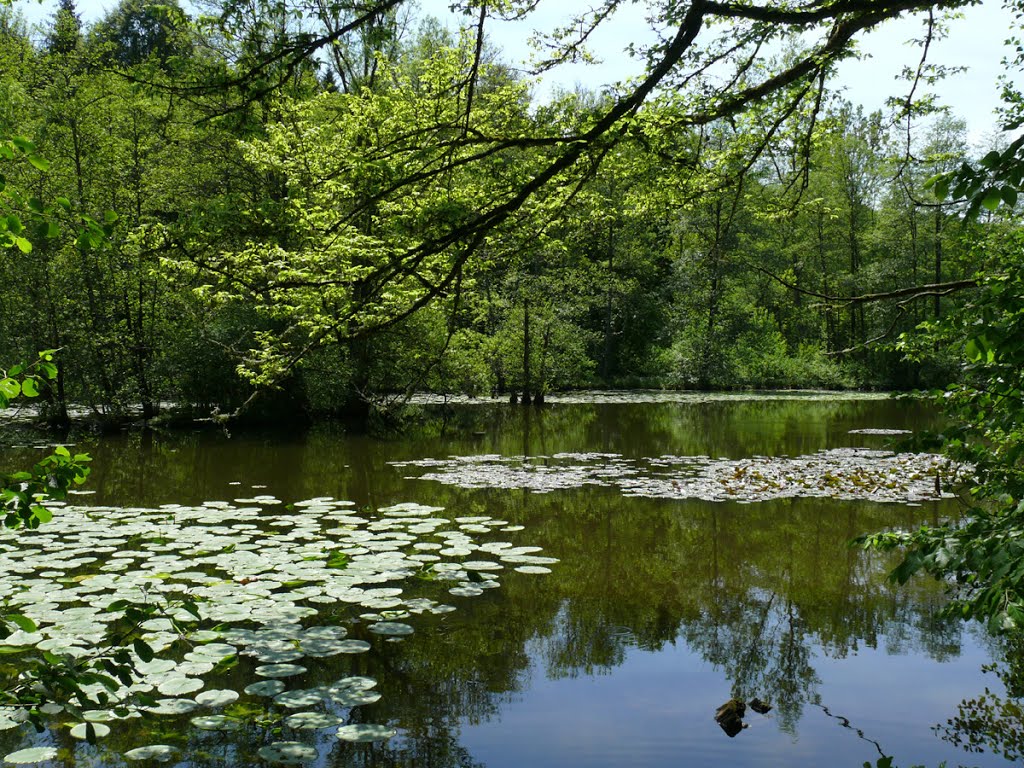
(658,610)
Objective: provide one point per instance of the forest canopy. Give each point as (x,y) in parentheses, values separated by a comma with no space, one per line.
(328,204)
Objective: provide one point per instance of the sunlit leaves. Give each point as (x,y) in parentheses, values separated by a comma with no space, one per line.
(369,179)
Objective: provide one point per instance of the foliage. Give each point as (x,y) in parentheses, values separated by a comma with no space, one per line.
(284,245)
(983,558)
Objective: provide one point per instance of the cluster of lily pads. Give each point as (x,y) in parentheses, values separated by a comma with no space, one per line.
(262,574)
(661,396)
(839,473)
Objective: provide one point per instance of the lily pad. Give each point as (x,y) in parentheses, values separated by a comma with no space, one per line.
(354,698)
(394,628)
(178,686)
(216,698)
(308,697)
(216,723)
(288,753)
(81,731)
(280,670)
(161,753)
(307,721)
(265,688)
(353,646)
(172,707)
(32,755)
(366,732)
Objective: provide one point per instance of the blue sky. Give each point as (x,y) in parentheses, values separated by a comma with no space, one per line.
(975,42)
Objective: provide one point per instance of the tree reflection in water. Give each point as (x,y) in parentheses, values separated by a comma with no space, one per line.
(764,593)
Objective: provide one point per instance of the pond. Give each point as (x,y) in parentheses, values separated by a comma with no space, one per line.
(583,585)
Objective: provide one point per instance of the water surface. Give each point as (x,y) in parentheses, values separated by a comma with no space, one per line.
(658,611)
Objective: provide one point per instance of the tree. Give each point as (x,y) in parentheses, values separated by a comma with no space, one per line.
(709,57)
(139,31)
(66,34)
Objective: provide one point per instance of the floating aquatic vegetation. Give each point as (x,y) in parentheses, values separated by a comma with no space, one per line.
(662,396)
(32,755)
(299,698)
(308,721)
(839,473)
(265,688)
(280,670)
(160,752)
(81,731)
(393,628)
(288,752)
(261,575)
(216,723)
(879,431)
(366,732)
(217,698)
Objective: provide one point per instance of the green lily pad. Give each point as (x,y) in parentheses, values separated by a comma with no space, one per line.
(178,686)
(81,731)
(32,755)
(394,628)
(216,723)
(307,721)
(354,698)
(297,699)
(288,752)
(280,670)
(353,646)
(366,732)
(265,688)
(172,707)
(161,753)
(216,698)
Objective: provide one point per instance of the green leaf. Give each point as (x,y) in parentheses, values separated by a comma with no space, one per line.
(992,198)
(43,515)
(23,622)
(41,163)
(337,560)
(143,650)
(110,216)
(1009,195)
(991,160)
(10,388)
(23,144)
(29,388)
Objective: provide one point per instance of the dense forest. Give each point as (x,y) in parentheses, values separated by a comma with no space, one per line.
(213,212)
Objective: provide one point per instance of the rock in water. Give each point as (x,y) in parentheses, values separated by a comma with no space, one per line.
(761,707)
(730,717)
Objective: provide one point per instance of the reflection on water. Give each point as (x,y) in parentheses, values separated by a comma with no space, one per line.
(659,611)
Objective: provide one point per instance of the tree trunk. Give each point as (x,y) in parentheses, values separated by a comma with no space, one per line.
(526,353)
